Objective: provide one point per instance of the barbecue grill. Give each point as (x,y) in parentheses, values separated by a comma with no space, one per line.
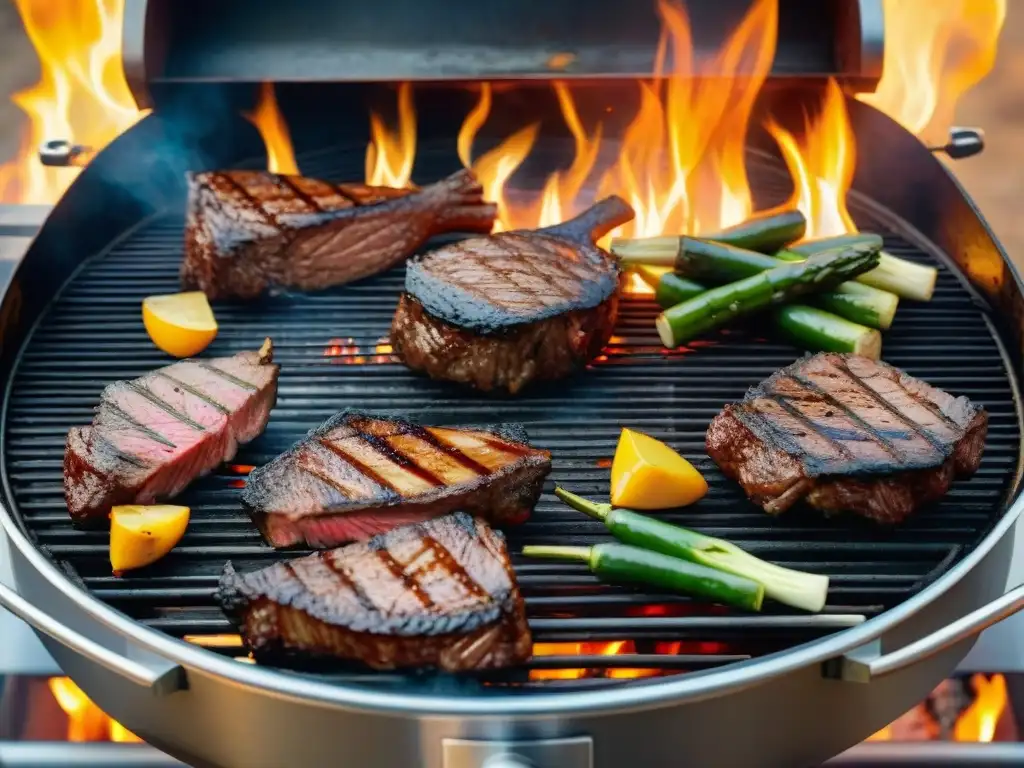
(710,686)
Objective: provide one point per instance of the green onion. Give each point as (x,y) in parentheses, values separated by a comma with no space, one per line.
(806,591)
(620,562)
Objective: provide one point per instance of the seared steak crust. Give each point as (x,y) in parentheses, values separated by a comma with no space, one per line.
(152,436)
(435,594)
(249,231)
(850,434)
(545,350)
(358,474)
(498,312)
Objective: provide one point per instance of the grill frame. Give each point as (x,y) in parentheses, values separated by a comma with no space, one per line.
(977,579)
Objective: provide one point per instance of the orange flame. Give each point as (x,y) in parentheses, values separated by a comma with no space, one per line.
(272,127)
(614,648)
(978,722)
(822,166)
(390,154)
(81,95)
(681,160)
(86,721)
(935,51)
(214,641)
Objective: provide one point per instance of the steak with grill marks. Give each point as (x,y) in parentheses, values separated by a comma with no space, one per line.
(152,436)
(357,475)
(249,231)
(847,434)
(499,312)
(435,594)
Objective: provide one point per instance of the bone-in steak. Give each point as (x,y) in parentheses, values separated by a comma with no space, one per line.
(847,434)
(435,594)
(357,475)
(247,231)
(152,436)
(498,312)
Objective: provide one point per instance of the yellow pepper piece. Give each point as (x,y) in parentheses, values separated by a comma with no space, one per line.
(647,474)
(180,324)
(141,535)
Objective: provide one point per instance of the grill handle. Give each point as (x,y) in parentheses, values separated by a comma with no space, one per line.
(160,681)
(866,663)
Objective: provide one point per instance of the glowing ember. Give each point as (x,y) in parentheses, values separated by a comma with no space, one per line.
(822,166)
(935,51)
(81,95)
(614,648)
(345,350)
(240,469)
(383,351)
(86,721)
(390,154)
(274,130)
(214,641)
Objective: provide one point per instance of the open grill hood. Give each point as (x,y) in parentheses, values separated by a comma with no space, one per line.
(175,42)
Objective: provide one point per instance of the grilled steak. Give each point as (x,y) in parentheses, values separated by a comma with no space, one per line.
(153,436)
(435,594)
(847,434)
(498,312)
(247,231)
(357,475)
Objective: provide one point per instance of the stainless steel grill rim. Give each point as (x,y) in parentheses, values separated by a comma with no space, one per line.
(691,687)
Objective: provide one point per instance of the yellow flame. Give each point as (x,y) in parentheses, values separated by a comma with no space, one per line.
(935,51)
(81,95)
(822,166)
(86,721)
(391,153)
(274,130)
(979,720)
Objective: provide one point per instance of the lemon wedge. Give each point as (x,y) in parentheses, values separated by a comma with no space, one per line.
(647,474)
(141,535)
(181,324)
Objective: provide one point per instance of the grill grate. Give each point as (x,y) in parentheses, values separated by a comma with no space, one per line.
(333,353)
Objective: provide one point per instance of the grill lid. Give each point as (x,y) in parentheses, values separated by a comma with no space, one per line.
(170,43)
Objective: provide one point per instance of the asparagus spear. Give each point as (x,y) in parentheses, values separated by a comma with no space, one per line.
(816,330)
(805,327)
(765,232)
(717,263)
(904,278)
(780,285)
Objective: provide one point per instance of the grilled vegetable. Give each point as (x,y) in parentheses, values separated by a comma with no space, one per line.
(647,474)
(765,232)
(141,535)
(816,330)
(904,278)
(806,327)
(794,588)
(716,264)
(669,287)
(780,285)
(620,562)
